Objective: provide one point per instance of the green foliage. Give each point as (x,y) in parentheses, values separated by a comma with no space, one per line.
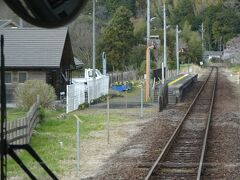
(83,106)
(15,113)
(51,131)
(117,39)
(26,94)
(99,100)
(195,48)
(220,18)
(182,12)
(186,31)
(112,5)
(137,55)
(142,69)
(221,24)
(235,68)
(139,31)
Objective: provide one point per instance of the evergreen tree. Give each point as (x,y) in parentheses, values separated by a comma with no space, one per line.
(118,39)
(112,5)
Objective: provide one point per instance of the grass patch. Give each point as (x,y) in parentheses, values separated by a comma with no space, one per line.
(54,130)
(15,113)
(235,68)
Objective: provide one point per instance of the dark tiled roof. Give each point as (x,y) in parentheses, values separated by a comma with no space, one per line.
(33,47)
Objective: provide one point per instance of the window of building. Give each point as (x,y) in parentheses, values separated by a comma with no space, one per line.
(22,77)
(8,77)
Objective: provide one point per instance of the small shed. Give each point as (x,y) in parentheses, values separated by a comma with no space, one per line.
(37,53)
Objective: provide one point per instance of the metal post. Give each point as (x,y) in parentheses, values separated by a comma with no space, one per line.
(147,78)
(148,51)
(126,100)
(165,38)
(149,69)
(177,50)
(108,135)
(78,145)
(3,150)
(163,79)
(94,49)
(202,42)
(141,115)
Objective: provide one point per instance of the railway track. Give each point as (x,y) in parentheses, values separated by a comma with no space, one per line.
(183,155)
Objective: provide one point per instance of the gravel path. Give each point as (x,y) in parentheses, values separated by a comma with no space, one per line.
(223,155)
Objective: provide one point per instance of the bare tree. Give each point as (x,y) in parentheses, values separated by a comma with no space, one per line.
(81,36)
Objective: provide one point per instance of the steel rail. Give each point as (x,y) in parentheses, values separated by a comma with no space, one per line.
(172,138)
(207,129)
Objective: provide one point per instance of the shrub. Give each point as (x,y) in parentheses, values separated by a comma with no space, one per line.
(26,94)
(83,106)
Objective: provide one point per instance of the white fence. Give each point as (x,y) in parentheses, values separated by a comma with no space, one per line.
(75,96)
(76,92)
(101,88)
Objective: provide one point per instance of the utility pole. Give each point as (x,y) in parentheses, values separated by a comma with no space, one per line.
(202,42)
(177,50)
(165,39)
(94,48)
(148,52)
(202,36)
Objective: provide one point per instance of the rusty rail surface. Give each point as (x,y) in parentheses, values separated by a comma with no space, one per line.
(183,155)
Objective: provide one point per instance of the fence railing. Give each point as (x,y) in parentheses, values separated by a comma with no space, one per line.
(20,130)
(76,92)
(101,88)
(75,96)
(122,76)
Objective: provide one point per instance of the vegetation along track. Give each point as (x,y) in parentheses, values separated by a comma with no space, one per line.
(182,157)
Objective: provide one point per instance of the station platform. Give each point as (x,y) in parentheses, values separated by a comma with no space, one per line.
(179,85)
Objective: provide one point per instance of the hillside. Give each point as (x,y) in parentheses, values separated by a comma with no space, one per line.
(221,19)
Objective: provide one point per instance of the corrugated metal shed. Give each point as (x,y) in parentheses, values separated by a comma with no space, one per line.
(34,47)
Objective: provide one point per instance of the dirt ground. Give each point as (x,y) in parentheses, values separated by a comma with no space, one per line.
(135,145)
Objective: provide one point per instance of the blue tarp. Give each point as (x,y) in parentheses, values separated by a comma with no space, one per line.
(121,88)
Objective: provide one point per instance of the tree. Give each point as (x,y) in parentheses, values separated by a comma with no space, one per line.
(81,31)
(195,48)
(221,24)
(118,39)
(112,5)
(183,11)
(137,55)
